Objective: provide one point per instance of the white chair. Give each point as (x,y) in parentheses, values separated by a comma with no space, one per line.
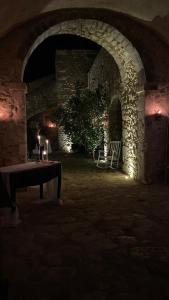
(111,158)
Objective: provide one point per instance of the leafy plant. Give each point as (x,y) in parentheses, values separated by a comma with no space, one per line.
(82,117)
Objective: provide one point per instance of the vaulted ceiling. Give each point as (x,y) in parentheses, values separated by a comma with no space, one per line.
(145,23)
(16,12)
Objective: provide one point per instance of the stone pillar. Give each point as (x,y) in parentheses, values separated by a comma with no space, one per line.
(106,133)
(64,141)
(156,139)
(13,144)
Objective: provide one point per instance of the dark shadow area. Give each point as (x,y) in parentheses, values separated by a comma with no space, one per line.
(42,61)
(3,288)
(156,148)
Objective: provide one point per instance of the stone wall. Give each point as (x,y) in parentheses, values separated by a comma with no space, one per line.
(41,96)
(156,140)
(46,93)
(71,66)
(124,110)
(64,141)
(104,71)
(12,124)
(156,117)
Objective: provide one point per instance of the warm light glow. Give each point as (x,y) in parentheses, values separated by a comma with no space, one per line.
(130,170)
(44,155)
(51,124)
(154,107)
(68,147)
(4,114)
(131,173)
(8,113)
(47,150)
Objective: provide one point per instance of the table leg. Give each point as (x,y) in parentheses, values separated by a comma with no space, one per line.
(13,197)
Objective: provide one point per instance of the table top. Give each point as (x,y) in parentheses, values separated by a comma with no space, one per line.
(28,166)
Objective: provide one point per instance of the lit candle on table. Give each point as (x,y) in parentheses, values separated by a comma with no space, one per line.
(39,145)
(44,154)
(47,149)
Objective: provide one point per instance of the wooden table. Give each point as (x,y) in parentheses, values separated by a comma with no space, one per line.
(27,174)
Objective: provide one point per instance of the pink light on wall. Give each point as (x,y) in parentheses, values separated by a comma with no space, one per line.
(10,112)
(156,105)
(4,113)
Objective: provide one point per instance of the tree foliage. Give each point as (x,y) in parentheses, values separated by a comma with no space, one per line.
(82,117)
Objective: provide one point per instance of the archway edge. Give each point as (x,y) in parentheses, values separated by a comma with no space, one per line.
(103,34)
(132,82)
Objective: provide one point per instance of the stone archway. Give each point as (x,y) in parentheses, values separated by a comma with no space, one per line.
(132,83)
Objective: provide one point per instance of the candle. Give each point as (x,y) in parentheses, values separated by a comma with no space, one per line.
(47,149)
(39,145)
(44,153)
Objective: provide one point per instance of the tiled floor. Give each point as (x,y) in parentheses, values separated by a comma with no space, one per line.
(109,240)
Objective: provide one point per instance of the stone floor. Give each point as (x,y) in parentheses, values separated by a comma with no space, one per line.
(109,240)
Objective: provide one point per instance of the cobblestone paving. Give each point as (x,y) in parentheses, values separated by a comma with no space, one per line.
(109,240)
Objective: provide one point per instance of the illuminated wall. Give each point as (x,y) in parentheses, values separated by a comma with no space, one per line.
(132,109)
(12,124)
(64,141)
